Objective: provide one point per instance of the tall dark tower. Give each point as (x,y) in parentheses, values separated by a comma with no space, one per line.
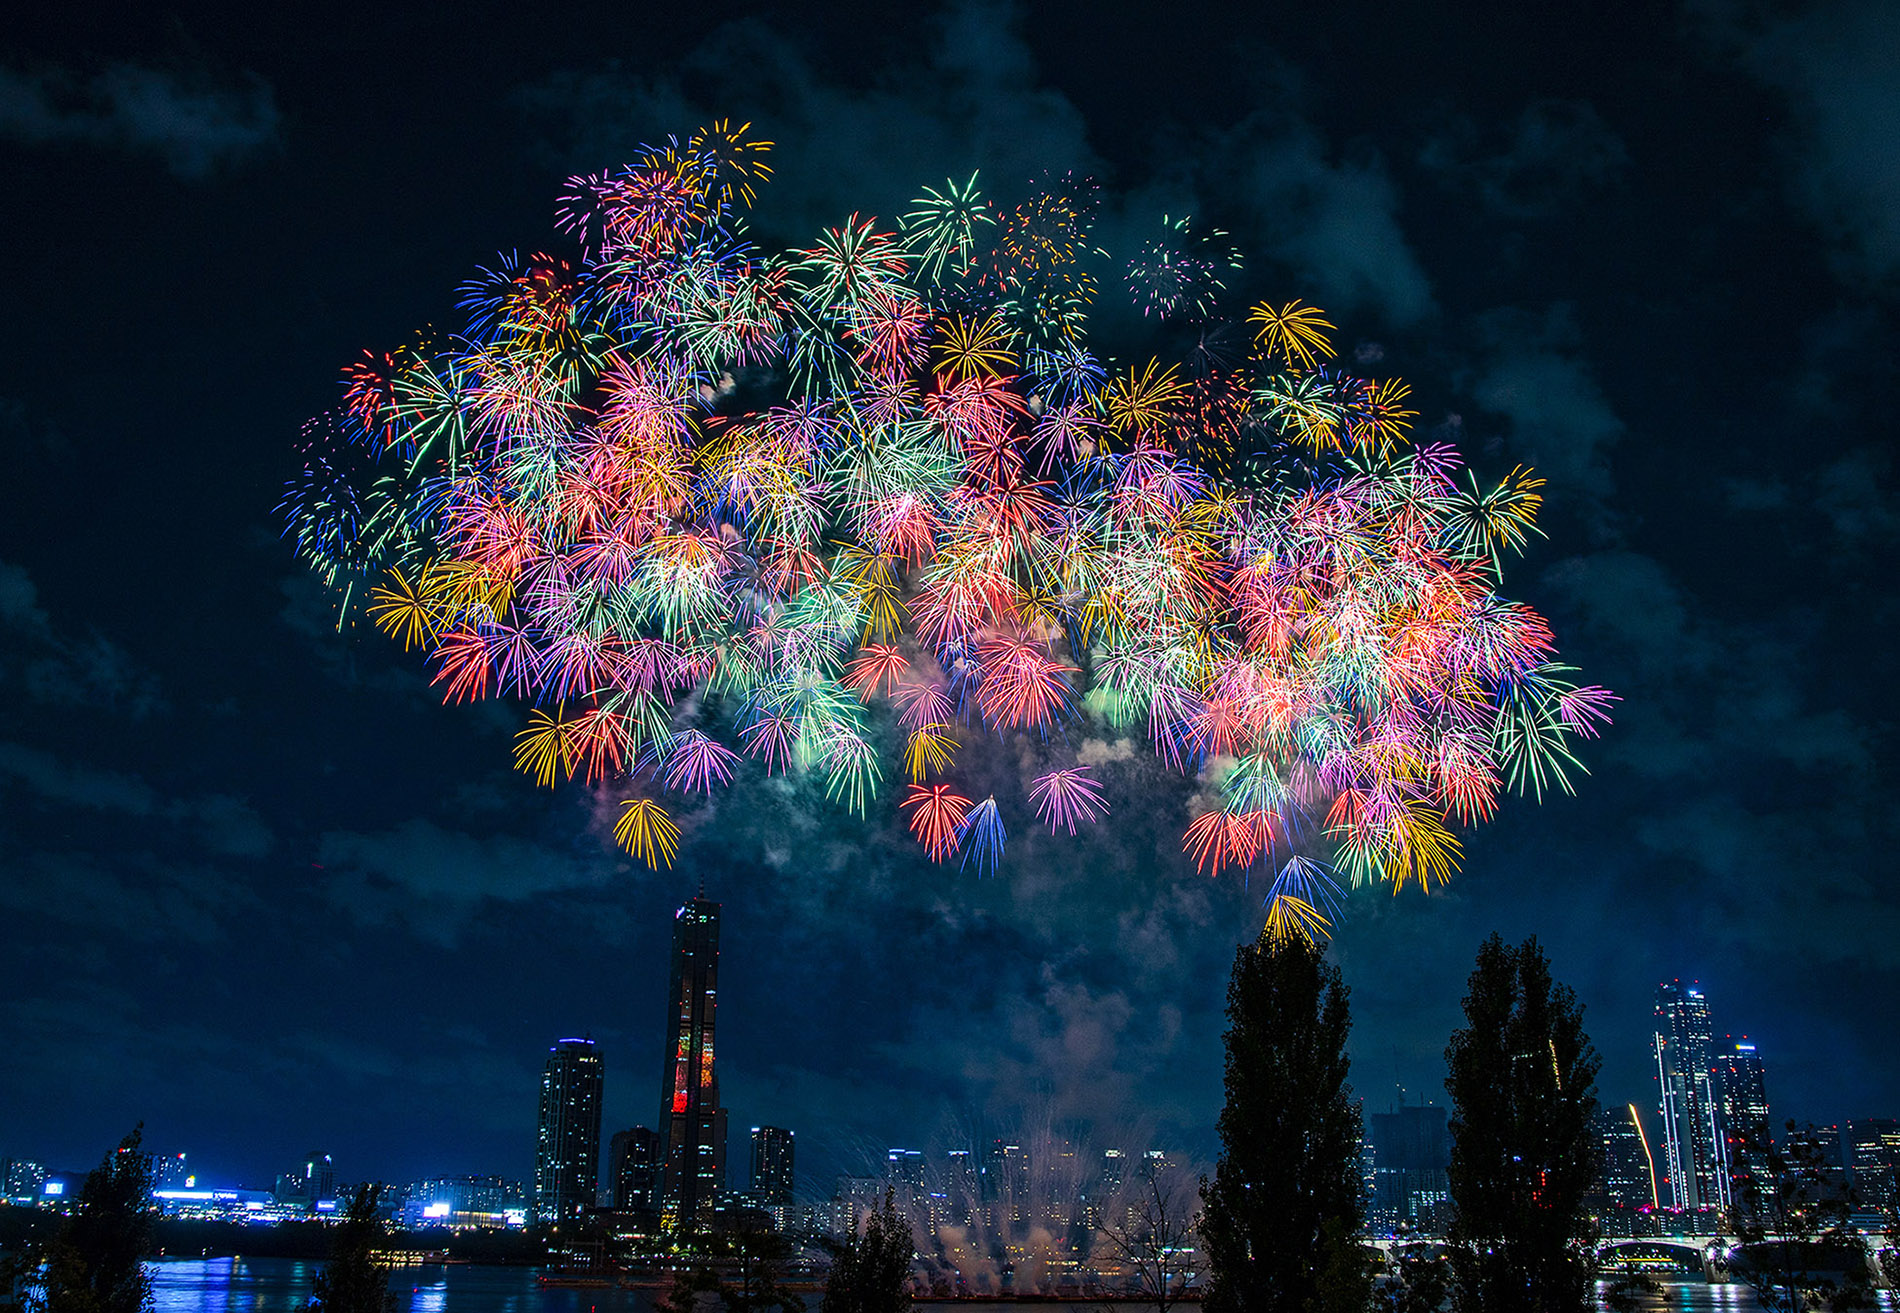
(772,1158)
(567,1147)
(633,1164)
(693,1168)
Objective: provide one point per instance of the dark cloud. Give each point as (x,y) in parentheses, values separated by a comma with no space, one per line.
(1751,775)
(1839,66)
(970,103)
(222,824)
(1332,218)
(63,669)
(434,881)
(1533,372)
(976,101)
(192,123)
(1555,155)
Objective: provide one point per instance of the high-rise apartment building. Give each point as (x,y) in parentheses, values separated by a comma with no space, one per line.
(21,1181)
(1742,1088)
(1626,1192)
(633,1170)
(1411,1153)
(319,1172)
(1873,1162)
(693,1166)
(1008,1182)
(567,1143)
(772,1155)
(1694,1147)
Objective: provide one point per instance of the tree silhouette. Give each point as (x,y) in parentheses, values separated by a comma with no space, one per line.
(1154,1234)
(870,1269)
(1795,1229)
(355,1280)
(1283,1209)
(1523,1091)
(96,1264)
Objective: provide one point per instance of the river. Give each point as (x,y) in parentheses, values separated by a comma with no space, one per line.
(282,1285)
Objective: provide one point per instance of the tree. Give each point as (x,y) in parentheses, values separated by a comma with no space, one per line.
(761,1252)
(355,1280)
(1419,1281)
(1153,1233)
(21,1287)
(96,1263)
(870,1269)
(1794,1224)
(1283,1209)
(1523,1091)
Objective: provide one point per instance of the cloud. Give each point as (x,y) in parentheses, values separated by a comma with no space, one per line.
(1839,67)
(435,881)
(1758,801)
(23,430)
(971,103)
(60,669)
(135,895)
(1334,220)
(188,122)
(1532,373)
(1559,150)
(227,826)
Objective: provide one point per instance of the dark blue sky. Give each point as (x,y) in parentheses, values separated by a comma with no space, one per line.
(262,891)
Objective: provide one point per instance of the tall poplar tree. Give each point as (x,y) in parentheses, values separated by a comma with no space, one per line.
(96,1264)
(1523,1091)
(1282,1213)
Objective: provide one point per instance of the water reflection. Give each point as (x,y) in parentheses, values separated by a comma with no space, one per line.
(281,1285)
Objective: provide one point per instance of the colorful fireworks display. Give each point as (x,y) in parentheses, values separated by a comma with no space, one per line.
(848,506)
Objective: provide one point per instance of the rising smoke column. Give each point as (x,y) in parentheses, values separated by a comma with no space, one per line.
(672,483)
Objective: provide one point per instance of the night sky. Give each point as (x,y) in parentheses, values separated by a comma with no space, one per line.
(261,890)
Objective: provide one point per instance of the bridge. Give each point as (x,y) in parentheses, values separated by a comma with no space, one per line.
(1692,1253)
(1695,1253)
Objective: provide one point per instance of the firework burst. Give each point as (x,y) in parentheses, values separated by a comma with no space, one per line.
(694,502)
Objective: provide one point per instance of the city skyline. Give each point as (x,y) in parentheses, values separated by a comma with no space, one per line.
(264,891)
(580,1164)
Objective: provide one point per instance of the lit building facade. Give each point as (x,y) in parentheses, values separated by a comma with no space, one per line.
(693,1165)
(1742,1085)
(462,1202)
(567,1141)
(1411,1154)
(1627,1196)
(633,1170)
(1873,1162)
(772,1165)
(1695,1149)
(22,1181)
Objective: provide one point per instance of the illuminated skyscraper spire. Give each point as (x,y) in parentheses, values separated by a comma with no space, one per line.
(693,1170)
(1695,1148)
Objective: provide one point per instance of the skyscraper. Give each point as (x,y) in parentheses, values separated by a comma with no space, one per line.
(1873,1161)
(693,1168)
(1009,1181)
(1694,1147)
(567,1143)
(1411,1155)
(319,1173)
(633,1170)
(772,1153)
(1626,1191)
(1742,1087)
